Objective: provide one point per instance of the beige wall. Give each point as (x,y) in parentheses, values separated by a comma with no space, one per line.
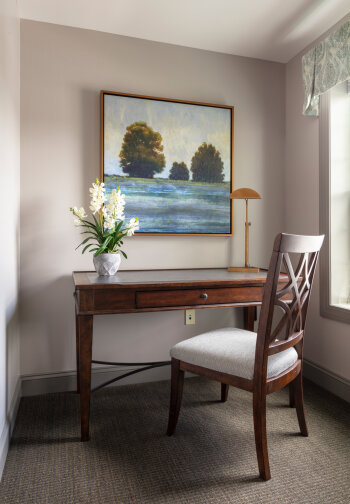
(62,71)
(9,215)
(328,342)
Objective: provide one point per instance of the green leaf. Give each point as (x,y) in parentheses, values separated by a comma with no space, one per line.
(91,225)
(107,240)
(98,225)
(104,245)
(94,235)
(99,251)
(88,232)
(119,226)
(114,232)
(85,241)
(86,247)
(88,223)
(124,254)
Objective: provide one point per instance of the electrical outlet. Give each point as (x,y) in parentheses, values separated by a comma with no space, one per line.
(190,317)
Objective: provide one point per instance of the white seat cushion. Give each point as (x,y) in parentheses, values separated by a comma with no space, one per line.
(230,350)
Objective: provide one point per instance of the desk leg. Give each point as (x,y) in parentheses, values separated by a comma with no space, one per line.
(77,349)
(249,314)
(85,354)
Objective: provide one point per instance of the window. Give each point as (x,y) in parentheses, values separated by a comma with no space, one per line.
(335,202)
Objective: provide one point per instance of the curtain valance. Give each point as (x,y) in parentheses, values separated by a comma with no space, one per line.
(325,66)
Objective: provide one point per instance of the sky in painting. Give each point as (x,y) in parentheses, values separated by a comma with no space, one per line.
(183,128)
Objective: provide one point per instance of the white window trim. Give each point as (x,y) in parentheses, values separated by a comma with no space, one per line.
(327,310)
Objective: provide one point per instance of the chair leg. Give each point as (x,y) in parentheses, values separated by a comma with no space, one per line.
(291,395)
(299,403)
(177,381)
(259,411)
(224,392)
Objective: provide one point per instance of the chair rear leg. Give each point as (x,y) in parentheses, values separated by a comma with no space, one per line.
(259,411)
(177,381)
(299,403)
(224,392)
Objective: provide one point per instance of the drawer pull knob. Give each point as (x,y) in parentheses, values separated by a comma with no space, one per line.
(204,295)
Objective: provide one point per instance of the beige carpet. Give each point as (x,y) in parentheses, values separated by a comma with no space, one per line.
(210,459)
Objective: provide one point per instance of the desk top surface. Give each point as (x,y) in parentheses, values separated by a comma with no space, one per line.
(181,277)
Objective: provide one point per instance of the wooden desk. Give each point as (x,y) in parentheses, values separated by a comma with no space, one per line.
(148,291)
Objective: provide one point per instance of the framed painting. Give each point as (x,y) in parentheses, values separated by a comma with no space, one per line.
(172,159)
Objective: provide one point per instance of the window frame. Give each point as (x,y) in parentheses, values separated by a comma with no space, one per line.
(326,308)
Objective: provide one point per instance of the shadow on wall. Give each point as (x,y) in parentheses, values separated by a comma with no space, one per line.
(90,136)
(47,326)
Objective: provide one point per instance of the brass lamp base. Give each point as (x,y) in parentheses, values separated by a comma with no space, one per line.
(244,269)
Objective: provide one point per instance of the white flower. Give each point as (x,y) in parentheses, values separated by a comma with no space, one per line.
(109,209)
(115,208)
(97,194)
(117,198)
(109,223)
(133,226)
(119,214)
(108,220)
(79,214)
(116,204)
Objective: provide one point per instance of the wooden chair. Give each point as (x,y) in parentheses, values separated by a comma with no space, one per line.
(264,362)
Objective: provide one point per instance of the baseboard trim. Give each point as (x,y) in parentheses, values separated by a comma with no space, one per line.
(66,381)
(9,426)
(326,379)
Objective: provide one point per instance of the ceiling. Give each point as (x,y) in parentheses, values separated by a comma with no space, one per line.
(274,30)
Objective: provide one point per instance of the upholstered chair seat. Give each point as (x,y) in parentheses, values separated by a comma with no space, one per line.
(232,351)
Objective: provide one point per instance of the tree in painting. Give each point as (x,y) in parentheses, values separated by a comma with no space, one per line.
(141,154)
(207,165)
(179,171)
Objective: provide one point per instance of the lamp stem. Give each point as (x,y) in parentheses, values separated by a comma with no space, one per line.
(247,224)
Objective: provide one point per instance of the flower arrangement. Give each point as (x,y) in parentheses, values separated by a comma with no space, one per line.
(106,232)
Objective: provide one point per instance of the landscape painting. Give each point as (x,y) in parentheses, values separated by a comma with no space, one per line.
(172,160)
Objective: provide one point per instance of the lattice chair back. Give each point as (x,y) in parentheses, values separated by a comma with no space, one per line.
(291,294)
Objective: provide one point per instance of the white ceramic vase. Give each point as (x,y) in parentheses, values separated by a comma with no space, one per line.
(107,264)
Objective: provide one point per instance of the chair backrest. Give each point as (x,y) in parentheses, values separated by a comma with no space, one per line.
(289,288)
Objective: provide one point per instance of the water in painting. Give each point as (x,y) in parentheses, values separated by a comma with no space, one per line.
(172,161)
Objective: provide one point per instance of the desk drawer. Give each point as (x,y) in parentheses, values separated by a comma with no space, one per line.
(193,297)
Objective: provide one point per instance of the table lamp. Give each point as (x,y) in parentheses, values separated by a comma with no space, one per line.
(247,194)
